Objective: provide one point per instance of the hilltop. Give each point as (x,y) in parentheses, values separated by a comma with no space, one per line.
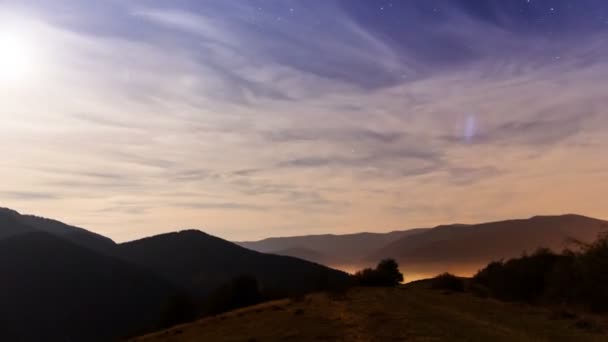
(411,313)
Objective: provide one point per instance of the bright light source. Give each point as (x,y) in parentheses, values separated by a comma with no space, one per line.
(17,57)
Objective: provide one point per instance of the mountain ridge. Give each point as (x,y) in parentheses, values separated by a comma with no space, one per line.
(218,260)
(75,234)
(69,292)
(464,249)
(83,291)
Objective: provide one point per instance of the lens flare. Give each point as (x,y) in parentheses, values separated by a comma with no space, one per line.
(470,126)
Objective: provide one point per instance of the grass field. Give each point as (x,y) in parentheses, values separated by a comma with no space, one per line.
(409,313)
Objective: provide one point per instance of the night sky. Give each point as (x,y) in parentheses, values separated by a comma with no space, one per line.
(250,119)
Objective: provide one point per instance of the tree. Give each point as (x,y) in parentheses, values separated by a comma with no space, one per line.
(385,274)
(449,282)
(240,292)
(389,271)
(179,308)
(573,277)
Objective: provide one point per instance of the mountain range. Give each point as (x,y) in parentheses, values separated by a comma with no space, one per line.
(65,283)
(423,253)
(328,249)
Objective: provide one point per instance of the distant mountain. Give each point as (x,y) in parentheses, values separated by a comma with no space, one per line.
(201,262)
(16,223)
(55,290)
(423,253)
(304,254)
(329,249)
(463,249)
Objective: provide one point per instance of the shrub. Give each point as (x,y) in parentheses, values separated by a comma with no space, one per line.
(574,278)
(521,279)
(592,264)
(385,274)
(179,308)
(447,281)
(240,292)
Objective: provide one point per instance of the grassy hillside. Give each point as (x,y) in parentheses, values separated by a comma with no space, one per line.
(411,313)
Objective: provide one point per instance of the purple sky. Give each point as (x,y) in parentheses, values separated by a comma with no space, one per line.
(250,119)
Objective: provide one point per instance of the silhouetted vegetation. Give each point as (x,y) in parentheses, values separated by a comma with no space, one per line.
(179,308)
(521,279)
(578,278)
(240,292)
(447,281)
(385,274)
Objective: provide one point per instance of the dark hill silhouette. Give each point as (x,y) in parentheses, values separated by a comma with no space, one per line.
(55,290)
(20,224)
(201,263)
(63,283)
(465,248)
(335,250)
(10,225)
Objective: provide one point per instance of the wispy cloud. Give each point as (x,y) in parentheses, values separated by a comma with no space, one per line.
(322,113)
(28,196)
(220,206)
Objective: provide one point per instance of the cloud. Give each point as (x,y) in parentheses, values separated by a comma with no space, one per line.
(252,56)
(220,206)
(471,175)
(28,196)
(540,132)
(182,115)
(334,136)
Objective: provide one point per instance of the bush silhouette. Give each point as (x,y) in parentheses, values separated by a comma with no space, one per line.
(582,277)
(240,292)
(522,279)
(578,278)
(385,274)
(447,281)
(179,308)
